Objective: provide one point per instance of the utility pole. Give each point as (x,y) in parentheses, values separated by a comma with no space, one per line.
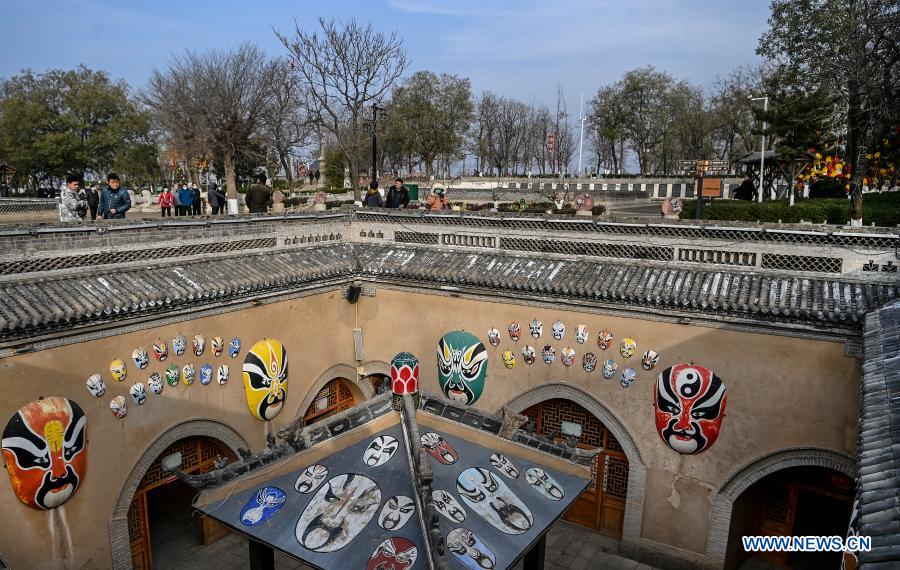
(581,136)
(375,108)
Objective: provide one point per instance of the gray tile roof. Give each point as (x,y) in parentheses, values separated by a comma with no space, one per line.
(878,483)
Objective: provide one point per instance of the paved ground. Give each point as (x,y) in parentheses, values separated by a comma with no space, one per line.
(568,547)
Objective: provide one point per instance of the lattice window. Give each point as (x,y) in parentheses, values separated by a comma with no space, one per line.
(801,263)
(195,451)
(136,515)
(615,476)
(332,399)
(778,506)
(612,444)
(67,262)
(549,415)
(626,251)
(739,258)
(416,237)
(470,241)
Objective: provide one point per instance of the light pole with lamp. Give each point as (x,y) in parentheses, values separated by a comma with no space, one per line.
(762,147)
(581,136)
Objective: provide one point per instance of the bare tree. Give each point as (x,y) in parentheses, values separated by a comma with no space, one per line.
(221,95)
(565,138)
(287,125)
(344,69)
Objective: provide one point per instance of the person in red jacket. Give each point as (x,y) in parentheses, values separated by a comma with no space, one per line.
(166,199)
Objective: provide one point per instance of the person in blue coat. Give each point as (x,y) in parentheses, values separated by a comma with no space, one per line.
(186,197)
(114,200)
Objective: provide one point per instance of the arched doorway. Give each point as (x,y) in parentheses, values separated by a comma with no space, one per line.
(602,505)
(381,383)
(333,398)
(161,528)
(796,501)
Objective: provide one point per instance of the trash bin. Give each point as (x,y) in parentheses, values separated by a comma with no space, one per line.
(413,191)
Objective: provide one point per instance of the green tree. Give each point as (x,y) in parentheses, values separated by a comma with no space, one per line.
(334,167)
(67,121)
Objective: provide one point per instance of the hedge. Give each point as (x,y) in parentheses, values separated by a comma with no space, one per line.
(881,209)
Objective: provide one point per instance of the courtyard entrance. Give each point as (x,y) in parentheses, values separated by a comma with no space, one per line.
(161,525)
(799,501)
(333,398)
(602,506)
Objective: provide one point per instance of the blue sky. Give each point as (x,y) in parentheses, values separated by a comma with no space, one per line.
(520,49)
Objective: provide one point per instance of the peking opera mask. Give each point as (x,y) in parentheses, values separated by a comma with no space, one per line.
(462,366)
(199,343)
(138,393)
(338,511)
(395,553)
(528,354)
(604,339)
(205,374)
(234,347)
(489,496)
(581,334)
(380,450)
(649,360)
(155,383)
(589,362)
(568,356)
(509,359)
(609,369)
(445,504)
(188,374)
(222,374)
(628,347)
(439,448)
(217,345)
(139,355)
(44,446)
(502,464)
(515,332)
(160,350)
(558,329)
(494,337)
(544,483)
(172,375)
(179,344)
(395,512)
(470,550)
(117,370)
(310,478)
(265,378)
(96,386)
(537,328)
(689,406)
(548,354)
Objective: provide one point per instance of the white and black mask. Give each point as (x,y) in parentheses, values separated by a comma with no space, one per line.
(395,512)
(448,506)
(96,386)
(311,477)
(544,484)
(138,394)
(489,496)
(504,465)
(380,450)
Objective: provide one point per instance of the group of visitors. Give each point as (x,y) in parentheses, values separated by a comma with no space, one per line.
(314,176)
(398,197)
(185,200)
(76,203)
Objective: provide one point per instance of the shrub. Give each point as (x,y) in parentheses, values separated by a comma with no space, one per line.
(880,209)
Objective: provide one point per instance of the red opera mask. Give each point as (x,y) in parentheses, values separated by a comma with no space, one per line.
(689,404)
(405,374)
(44,446)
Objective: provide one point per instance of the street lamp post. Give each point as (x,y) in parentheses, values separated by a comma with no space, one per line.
(375,109)
(581,136)
(762,147)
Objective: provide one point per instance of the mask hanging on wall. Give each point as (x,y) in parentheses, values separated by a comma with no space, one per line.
(118,370)
(649,360)
(96,386)
(558,329)
(589,362)
(494,337)
(160,350)
(118,407)
(218,345)
(179,345)
(628,347)
(155,383)
(515,332)
(581,334)
(604,339)
(462,366)
(141,360)
(689,405)
(265,375)
(568,356)
(528,354)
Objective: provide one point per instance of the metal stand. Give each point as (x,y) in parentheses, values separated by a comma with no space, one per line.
(262,557)
(534,559)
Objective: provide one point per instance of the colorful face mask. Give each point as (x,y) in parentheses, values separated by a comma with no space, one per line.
(504,465)
(628,347)
(548,354)
(44,446)
(141,360)
(218,345)
(649,360)
(96,386)
(604,339)
(581,333)
(395,553)
(470,550)
(188,374)
(448,506)
(689,407)
(172,375)
(462,366)
(179,345)
(509,359)
(266,378)
(494,337)
(155,382)
(310,478)
(138,393)
(118,407)
(589,362)
(380,450)
(265,503)
(199,343)
(395,512)
(568,356)
(439,448)
(627,378)
(528,354)
(515,332)
(234,348)
(543,483)
(537,328)
(405,374)
(337,513)
(489,496)
(609,369)
(558,329)
(222,374)
(160,350)
(205,374)
(118,370)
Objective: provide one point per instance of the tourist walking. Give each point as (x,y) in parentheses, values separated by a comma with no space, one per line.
(373,196)
(166,199)
(114,200)
(397,196)
(186,197)
(72,201)
(93,199)
(176,200)
(258,195)
(317,176)
(197,202)
(216,199)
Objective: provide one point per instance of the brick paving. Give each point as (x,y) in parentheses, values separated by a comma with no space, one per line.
(569,547)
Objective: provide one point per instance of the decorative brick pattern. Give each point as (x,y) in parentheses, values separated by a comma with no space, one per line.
(736,258)
(594,249)
(416,237)
(801,263)
(468,241)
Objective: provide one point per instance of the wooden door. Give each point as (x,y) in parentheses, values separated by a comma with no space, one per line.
(584,511)
(776,518)
(332,399)
(139,532)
